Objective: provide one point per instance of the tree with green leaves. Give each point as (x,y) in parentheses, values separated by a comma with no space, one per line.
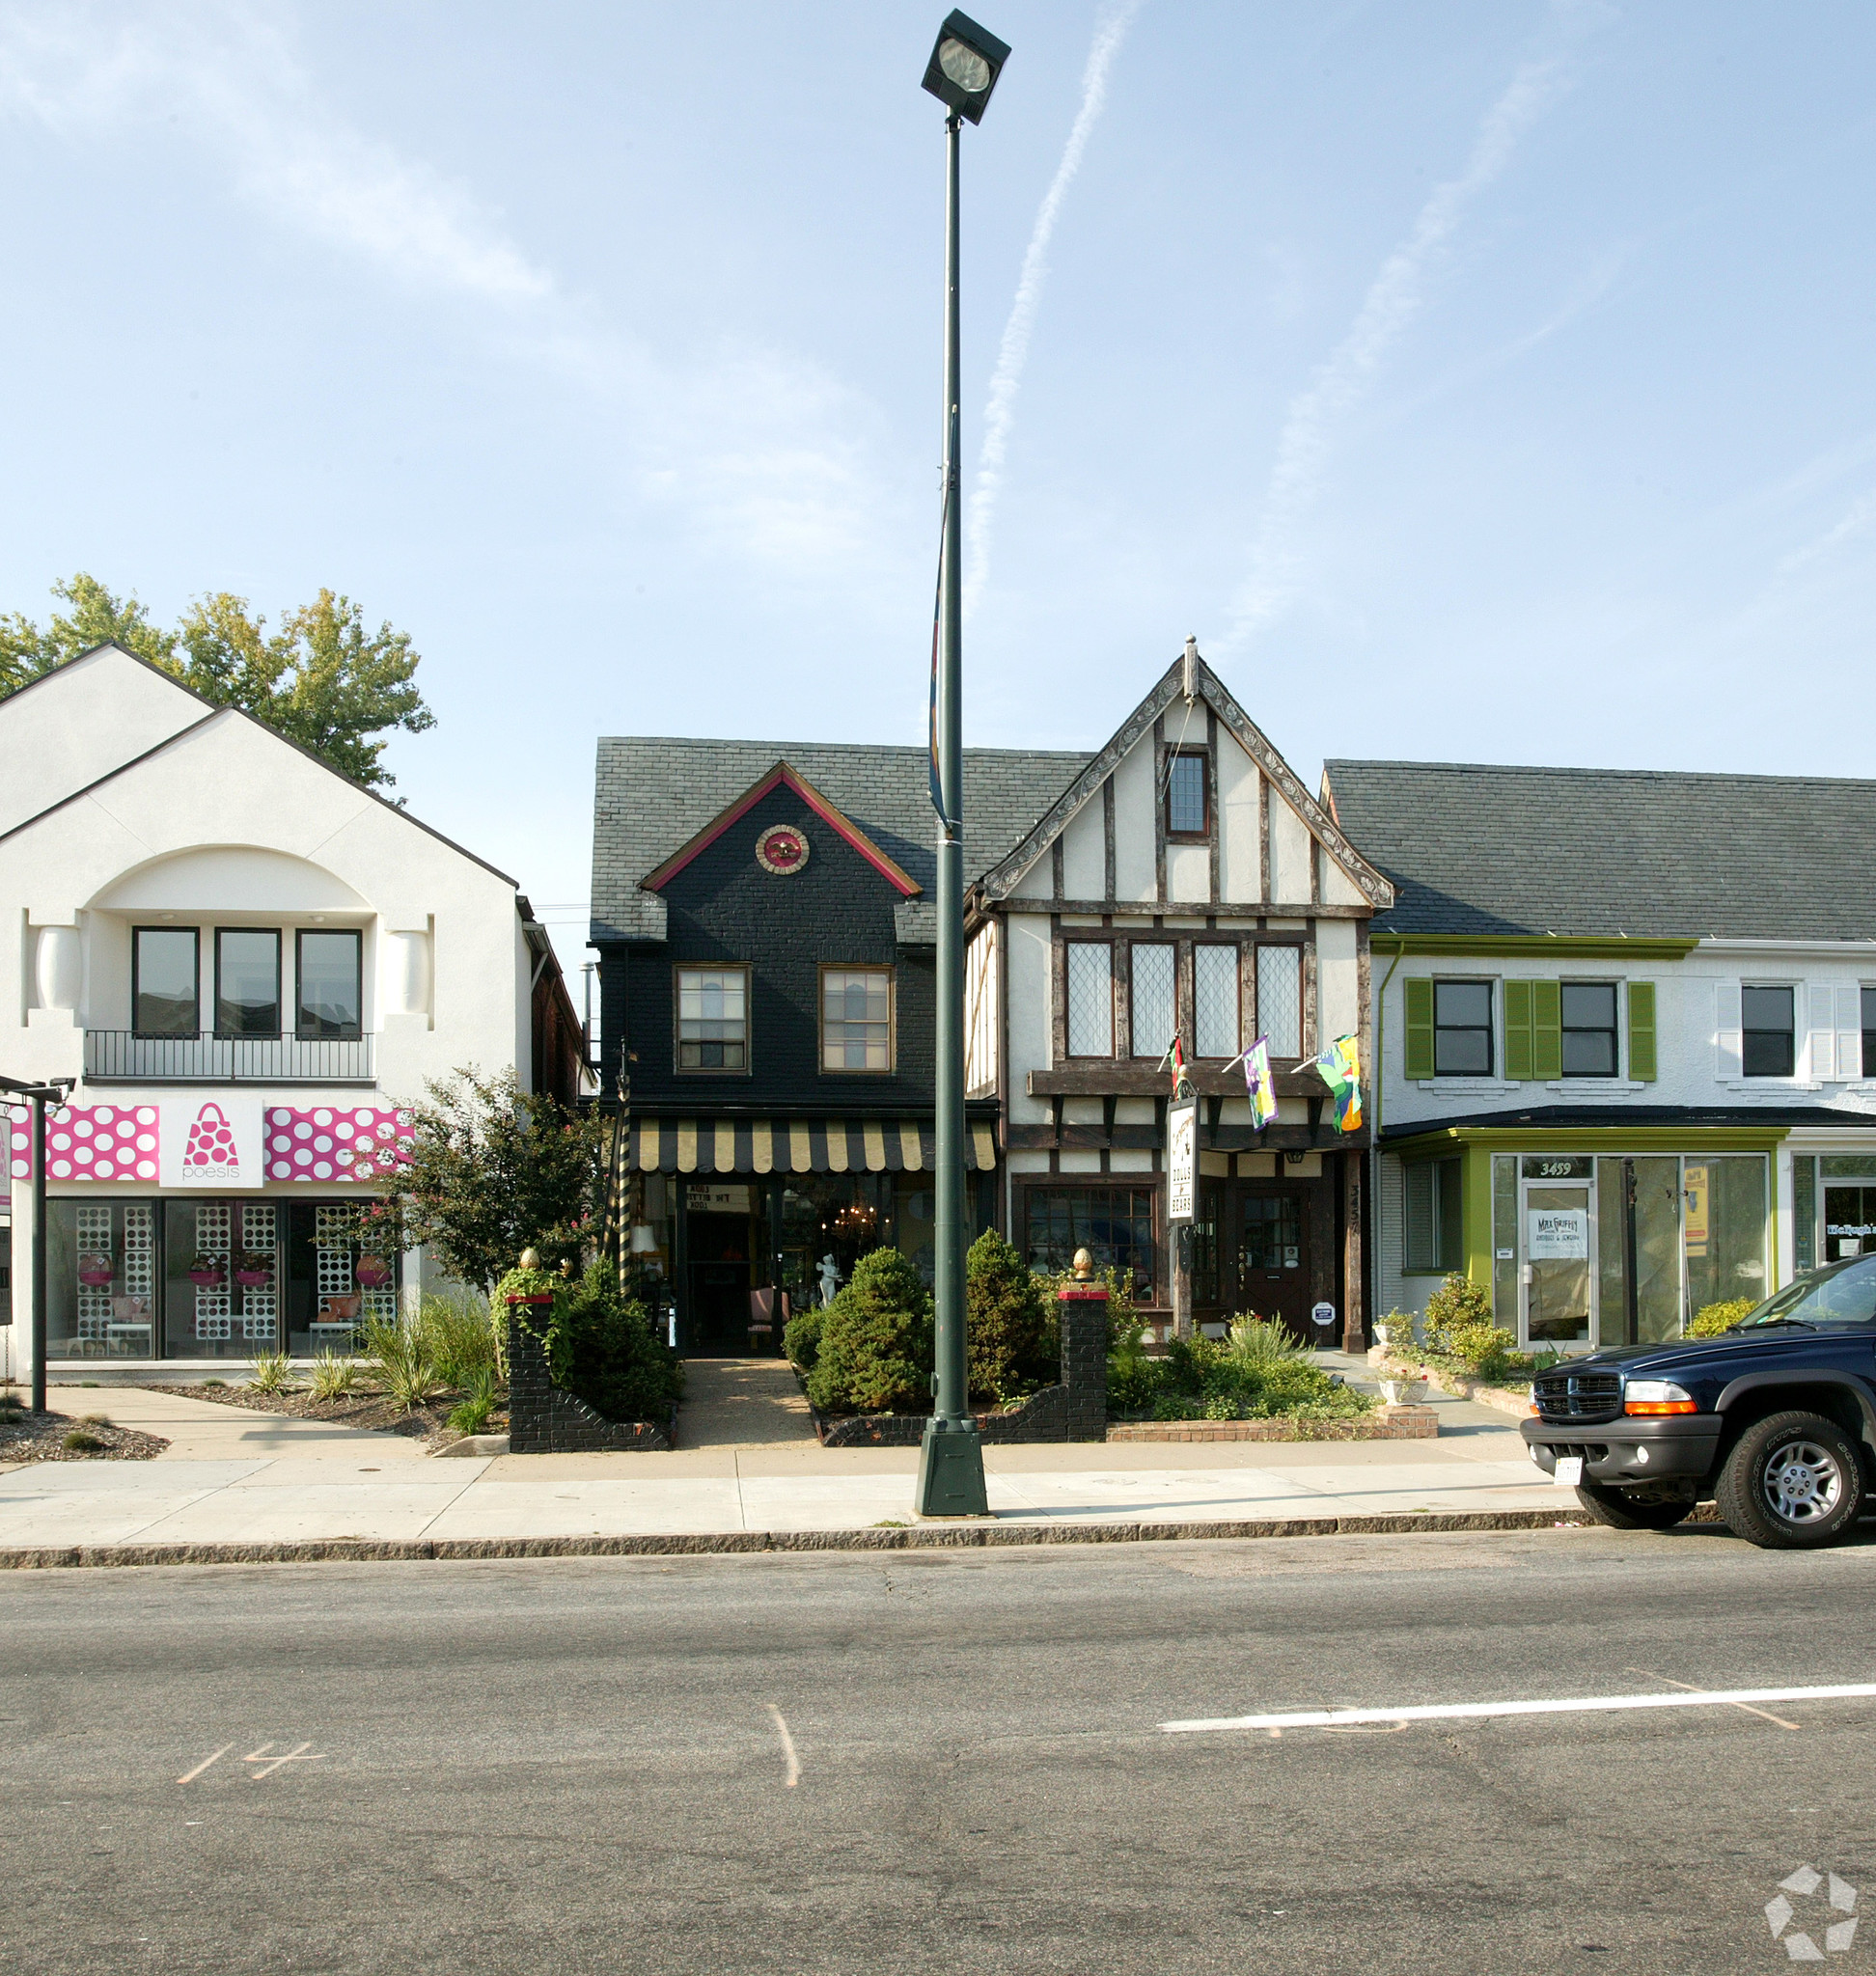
(492,1170)
(322,678)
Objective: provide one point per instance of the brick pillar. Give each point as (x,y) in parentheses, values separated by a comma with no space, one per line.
(531,1387)
(1084,1358)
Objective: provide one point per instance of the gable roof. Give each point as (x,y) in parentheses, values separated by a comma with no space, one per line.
(212,709)
(783,775)
(1481,849)
(1208,687)
(653,794)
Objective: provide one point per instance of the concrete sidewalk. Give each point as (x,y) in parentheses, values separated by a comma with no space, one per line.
(237,1477)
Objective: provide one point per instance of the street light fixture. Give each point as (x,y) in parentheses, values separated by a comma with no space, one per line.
(51,1092)
(965,64)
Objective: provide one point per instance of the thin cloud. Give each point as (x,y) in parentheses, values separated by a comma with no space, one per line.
(1393,300)
(1000,414)
(1857,521)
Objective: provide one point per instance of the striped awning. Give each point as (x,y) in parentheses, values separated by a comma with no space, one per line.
(799,1146)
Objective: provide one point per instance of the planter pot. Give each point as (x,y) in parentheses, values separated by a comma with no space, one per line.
(254,1280)
(95,1272)
(1403,1393)
(206,1279)
(373,1272)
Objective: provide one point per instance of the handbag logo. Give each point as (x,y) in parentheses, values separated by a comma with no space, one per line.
(211,1153)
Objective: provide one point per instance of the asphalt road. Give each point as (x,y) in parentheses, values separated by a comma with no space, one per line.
(577,1765)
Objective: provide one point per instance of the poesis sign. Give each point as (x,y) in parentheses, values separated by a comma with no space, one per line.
(212,1142)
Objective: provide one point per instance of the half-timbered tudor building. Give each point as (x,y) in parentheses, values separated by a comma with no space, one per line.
(766,937)
(1183,880)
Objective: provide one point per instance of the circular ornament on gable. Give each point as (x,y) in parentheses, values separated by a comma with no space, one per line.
(781,849)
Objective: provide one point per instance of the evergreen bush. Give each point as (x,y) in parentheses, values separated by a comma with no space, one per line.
(602,1344)
(875,1341)
(1006,1322)
(1455,1306)
(801,1338)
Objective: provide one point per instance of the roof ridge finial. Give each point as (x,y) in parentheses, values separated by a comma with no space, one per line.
(1189,682)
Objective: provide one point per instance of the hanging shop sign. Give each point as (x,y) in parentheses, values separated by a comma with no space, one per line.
(1182,1161)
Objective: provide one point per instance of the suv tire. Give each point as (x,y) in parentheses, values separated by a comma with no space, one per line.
(1793,1482)
(1646,1509)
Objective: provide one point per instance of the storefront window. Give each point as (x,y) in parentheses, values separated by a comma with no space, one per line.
(1804,1212)
(1115,1225)
(1723,1209)
(100,1271)
(1505,1241)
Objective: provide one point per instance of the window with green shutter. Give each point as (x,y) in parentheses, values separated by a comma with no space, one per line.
(1642,1031)
(1546,1030)
(1418,992)
(1517,1030)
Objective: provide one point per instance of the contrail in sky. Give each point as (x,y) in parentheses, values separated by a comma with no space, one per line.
(1393,300)
(1110,31)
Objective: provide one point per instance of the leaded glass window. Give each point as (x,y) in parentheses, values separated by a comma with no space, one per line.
(1280,998)
(1091,999)
(1155,1008)
(1215,1001)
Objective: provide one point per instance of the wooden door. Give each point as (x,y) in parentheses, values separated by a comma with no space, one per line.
(1275,1223)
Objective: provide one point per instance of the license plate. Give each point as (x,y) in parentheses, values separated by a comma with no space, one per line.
(1569,1471)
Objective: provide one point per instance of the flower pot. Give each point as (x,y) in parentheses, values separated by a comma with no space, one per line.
(94,1271)
(206,1279)
(1403,1393)
(254,1280)
(373,1272)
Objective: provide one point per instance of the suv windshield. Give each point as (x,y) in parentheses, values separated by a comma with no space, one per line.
(1843,1292)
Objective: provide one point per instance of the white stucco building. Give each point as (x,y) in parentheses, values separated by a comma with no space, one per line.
(247,963)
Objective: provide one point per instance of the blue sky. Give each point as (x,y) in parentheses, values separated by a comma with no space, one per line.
(1479,382)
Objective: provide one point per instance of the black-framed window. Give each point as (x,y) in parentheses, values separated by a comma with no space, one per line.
(713,1018)
(1433,1217)
(165,981)
(1869,1033)
(1462,1028)
(1770,1044)
(329,983)
(857,1019)
(247,981)
(1589,1013)
(1188,796)
(1088,993)
(1113,1223)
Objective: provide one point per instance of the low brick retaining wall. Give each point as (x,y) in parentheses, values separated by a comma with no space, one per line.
(1384,1423)
(1502,1399)
(545,1419)
(1042,1417)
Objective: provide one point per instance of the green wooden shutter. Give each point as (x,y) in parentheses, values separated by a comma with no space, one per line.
(1642,1031)
(1418,993)
(1546,1030)
(1517,1030)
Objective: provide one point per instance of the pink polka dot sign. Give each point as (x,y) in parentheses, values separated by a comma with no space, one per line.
(95,1142)
(17,1120)
(334,1142)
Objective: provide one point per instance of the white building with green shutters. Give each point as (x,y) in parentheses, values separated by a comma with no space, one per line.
(1626,1031)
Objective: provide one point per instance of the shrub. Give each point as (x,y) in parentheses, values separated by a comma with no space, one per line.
(876,1343)
(270,1372)
(1711,1319)
(401,1362)
(460,1334)
(215,1382)
(1263,1342)
(602,1346)
(79,1443)
(1005,1320)
(473,1412)
(334,1375)
(1483,1347)
(801,1338)
(1454,1306)
(1201,1380)
(93,1420)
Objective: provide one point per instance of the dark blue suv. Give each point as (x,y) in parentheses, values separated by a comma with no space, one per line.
(1775,1420)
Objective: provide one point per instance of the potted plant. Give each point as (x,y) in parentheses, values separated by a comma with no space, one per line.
(1403,1393)
(94,1271)
(373,1272)
(253,1269)
(1394,1332)
(208,1272)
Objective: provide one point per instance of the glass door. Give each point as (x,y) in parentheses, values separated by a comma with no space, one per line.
(1560,1275)
(1275,1273)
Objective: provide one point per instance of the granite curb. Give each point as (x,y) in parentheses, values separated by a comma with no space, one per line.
(966,1536)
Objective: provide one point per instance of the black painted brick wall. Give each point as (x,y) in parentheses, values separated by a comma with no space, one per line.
(543,1419)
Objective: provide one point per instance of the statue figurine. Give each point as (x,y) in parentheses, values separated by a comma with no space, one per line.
(830,1280)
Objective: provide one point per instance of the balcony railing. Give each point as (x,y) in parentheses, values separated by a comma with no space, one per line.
(119,1057)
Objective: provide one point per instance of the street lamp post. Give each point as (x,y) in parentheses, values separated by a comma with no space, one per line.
(965,63)
(54,1092)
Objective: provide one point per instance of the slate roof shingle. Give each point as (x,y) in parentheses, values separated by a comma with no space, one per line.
(1477,848)
(653,794)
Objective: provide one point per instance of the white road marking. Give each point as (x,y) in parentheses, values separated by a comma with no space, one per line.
(1572,1705)
(788,1746)
(269,1766)
(1648,1674)
(205,1763)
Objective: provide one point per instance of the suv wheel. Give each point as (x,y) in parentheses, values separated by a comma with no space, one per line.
(1654,1506)
(1792,1482)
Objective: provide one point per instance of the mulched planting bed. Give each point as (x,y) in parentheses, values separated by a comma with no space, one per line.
(27,1436)
(370,1409)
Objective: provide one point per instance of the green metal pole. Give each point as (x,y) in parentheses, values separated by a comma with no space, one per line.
(951,1458)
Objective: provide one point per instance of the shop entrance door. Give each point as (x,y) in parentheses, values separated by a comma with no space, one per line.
(1275,1268)
(720,1281)
(1560,1264)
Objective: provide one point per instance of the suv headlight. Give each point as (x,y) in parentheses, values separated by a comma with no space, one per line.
(1656,1396)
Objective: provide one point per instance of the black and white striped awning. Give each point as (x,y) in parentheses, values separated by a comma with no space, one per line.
(798,1145)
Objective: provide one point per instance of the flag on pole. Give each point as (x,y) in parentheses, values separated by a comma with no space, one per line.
(1341,1069)
(1258,1085)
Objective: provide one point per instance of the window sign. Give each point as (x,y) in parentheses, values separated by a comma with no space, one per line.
(1559,1235)
(1695,1225)
(211,1142)
(731,1199)
(1182,1161)
(1537,1168)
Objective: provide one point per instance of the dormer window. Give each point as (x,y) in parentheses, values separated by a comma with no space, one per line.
(1188,804)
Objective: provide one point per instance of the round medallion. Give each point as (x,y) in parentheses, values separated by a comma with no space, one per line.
(781,849)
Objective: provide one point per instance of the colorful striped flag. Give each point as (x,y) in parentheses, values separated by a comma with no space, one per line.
(1340,1068)
(1258,1085)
